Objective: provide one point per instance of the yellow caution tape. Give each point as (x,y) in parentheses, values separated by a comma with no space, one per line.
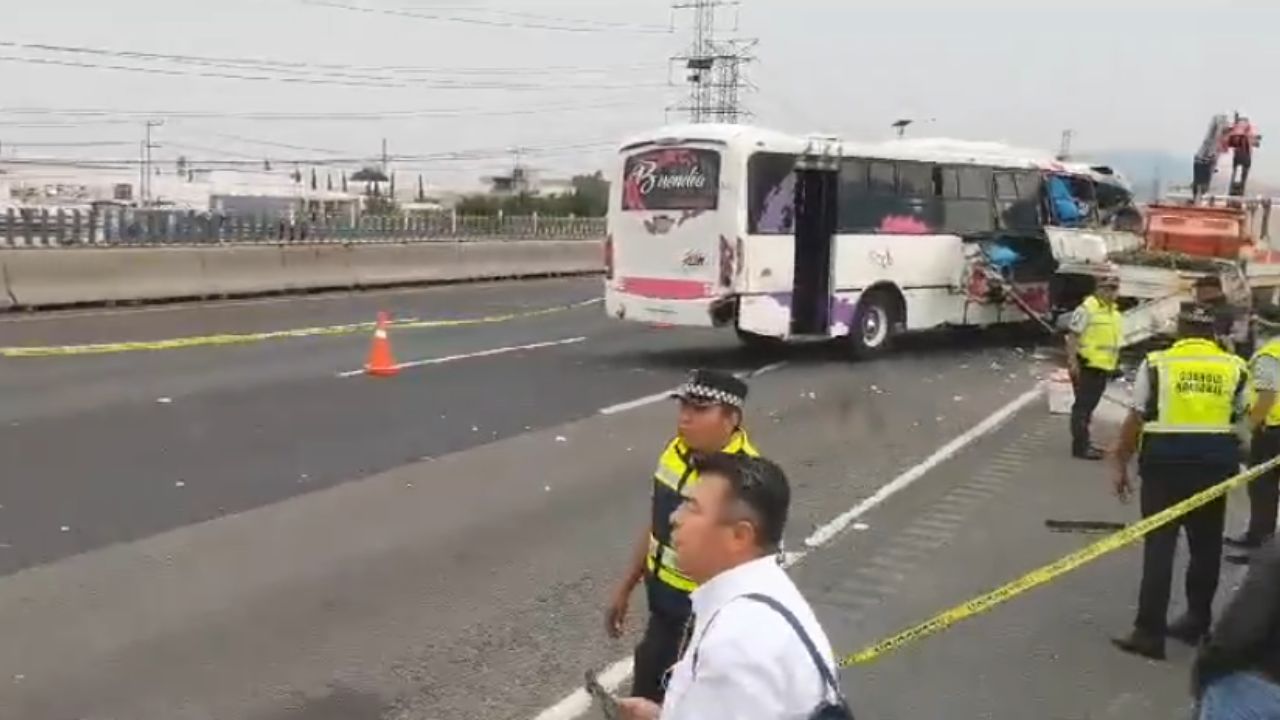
(246,338)
(1042,575)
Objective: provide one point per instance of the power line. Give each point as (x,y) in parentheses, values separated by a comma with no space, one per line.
(604,24)
(491,153)
(77,144)
(563,27)
(269,143)
(183,73)
(295,67)
(302,80)
(131,116)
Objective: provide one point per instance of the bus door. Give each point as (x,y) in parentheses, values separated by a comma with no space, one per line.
(817,183)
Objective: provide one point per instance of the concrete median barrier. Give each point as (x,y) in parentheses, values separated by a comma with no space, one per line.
(40,277)
(318,267)
(500,259)
(6,297)
(43,277)
(244,270)
(400,264)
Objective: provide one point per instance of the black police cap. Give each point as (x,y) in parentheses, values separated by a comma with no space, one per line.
(712,387)
(1196,314)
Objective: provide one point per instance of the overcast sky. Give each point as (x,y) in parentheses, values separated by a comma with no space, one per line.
(566,78)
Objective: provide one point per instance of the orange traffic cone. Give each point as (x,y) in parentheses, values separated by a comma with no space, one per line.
(381,363)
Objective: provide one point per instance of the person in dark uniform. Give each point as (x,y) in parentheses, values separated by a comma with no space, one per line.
(710,420)
(1237,671)
(1264,424)
(1231,323)
(1186,401)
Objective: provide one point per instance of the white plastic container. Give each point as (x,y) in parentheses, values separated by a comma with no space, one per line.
(1061,394)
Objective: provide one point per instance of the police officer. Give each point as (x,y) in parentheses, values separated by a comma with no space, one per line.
(1264,425)
(1231,323)
(1185,403)
(1093,354)
(710,420)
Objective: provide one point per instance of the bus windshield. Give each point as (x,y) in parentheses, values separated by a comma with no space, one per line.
(672,179)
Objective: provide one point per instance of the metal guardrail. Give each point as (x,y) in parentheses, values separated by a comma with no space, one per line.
(141,228)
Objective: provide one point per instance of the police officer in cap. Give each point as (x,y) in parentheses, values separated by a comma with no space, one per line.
(1186,401)
(710,420)
(1095,333)
(1264,427)
(1231,323)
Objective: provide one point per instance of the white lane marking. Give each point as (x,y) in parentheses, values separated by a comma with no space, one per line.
(578,702)
(660,396)
(469,356)
(826,533)
(124,311)
(638,402)
(767,369)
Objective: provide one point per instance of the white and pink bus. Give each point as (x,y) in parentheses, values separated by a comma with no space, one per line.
(782,236)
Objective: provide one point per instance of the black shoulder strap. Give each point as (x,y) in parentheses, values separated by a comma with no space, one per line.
(814,655)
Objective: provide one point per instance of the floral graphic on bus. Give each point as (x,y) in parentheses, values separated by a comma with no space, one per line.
(903,225)
(671,179)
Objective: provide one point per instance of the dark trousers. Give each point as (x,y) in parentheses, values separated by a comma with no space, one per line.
(1264,493)
(1089,387)
(658,650)
(1165,484)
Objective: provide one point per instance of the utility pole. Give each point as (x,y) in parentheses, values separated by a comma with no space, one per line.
(145,175)
(519,179)
(715,70)
(384,156)
(1064,149)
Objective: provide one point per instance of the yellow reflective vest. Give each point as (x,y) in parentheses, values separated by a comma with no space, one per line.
(1271,350)
(672,482)
(1195,390)
(1101,339)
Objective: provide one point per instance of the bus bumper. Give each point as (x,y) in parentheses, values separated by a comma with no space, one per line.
(659,311)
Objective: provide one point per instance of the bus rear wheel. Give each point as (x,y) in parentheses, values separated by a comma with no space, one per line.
(874,323)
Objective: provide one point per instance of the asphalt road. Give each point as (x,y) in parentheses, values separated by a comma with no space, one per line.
(274,542)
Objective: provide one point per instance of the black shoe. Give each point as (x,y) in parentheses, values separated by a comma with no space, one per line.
(1188,629)
(1090,454)
(1244,542)
(1141,644)
(1237,559)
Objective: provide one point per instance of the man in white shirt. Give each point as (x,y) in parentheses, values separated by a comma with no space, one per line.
(756,650)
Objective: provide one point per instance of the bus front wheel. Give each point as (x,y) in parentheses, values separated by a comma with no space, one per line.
(874,323)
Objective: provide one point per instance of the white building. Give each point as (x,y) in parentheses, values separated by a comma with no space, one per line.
(278,193)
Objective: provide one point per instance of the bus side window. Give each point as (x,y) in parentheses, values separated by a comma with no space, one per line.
(919,209)
(950,183)
(853,176)
(915,180)
(975,183)
(771,194)
(855,211)
(882,179)
(967,201)
(1028,213)
(1017,212)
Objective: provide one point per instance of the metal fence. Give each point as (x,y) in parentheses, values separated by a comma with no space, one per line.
(130,227)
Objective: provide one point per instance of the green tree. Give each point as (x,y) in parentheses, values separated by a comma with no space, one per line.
(590,198)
